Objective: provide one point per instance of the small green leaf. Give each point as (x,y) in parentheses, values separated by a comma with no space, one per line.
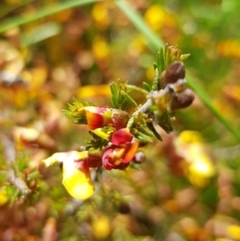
(142,138)
(113,89)
(144,131)
(124,105)
(164,122)
(67,113)
(155,80)
(130,122)
(146,86)
(151,127)
(129,98)
(161,61)
(167,56)
(80,121)
(85,103)
(135,166)
(114,103)
(184,57)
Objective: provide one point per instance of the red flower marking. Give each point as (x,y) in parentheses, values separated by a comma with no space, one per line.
(119,155)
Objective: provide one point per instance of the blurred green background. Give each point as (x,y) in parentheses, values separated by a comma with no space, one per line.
(54,50)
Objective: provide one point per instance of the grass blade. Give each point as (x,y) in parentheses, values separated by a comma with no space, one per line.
(42,13)
(40,33)
(207,101)
(153,41)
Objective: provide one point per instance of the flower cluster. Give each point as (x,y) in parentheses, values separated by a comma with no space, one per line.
(121,147)
(117,134)
(121,151)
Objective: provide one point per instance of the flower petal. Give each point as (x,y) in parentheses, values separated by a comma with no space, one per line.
(77,182)
(70,156)
(100,132)
(76,173)
(106,159)
(121,137)
(97,116)
(113,159)
(131,152)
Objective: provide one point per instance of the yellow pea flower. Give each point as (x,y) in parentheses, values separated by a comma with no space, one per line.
(76,173)
(233,232)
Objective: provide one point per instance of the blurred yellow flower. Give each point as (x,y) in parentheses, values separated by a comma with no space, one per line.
(223,239)
(23,135)
(3,196)
(233,232)
(88,91)
(229,48)
(137,45)
(156,17)
(190,146)
(200,171)
(100,15)
(189,137)
(76,175)
(233,92)
(100,48)
(101,227)
(150,73)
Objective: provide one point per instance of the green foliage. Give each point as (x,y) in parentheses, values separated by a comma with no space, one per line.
(185,184)
(120,96)
(75,111)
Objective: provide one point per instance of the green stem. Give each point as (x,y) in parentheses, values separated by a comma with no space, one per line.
(155,43)
(138,89)
(42,13)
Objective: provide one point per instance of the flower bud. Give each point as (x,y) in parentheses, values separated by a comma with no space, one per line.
(97,116)
(139,157)
(182,99)
(174,72)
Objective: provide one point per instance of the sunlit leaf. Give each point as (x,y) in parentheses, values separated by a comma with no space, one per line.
(41,33)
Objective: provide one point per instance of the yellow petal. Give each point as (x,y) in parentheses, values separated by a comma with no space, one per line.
(233,232)
(3,196)
(78,184)
(101,133)
(70,156)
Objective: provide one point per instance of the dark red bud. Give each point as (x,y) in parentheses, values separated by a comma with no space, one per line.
(174,72)
(182,99)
